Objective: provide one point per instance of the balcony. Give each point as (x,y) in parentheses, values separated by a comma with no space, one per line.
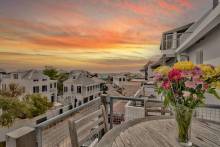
(121,111)
(168,52)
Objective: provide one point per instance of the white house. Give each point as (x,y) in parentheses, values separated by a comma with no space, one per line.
(32,81)
(80,88)
(197,42)
(203,44)
(119,80)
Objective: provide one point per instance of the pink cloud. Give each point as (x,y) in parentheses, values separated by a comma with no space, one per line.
(171,7)
(185,3)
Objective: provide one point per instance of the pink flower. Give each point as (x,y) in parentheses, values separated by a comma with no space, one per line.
(198,81)
(190,84)
(197,71)
(166,84)
(157,76)
(175,75)
(186,94)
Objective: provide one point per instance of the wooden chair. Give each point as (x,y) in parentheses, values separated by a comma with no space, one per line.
(88,127)
(155,106)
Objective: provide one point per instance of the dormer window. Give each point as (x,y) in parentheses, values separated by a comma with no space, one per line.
(74,77)
(35,80)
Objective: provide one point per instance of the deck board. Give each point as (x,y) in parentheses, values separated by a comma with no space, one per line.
(160,132)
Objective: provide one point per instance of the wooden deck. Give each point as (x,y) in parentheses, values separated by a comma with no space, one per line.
(154,132)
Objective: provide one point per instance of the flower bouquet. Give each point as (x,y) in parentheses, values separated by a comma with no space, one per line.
(183,87)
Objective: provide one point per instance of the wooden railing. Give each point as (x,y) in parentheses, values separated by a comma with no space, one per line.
(54,131)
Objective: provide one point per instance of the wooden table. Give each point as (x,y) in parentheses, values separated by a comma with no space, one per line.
(155,132)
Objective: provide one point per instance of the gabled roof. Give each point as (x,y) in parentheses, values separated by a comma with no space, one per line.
(81,78)
(31,74)
(34,74)
(203,26)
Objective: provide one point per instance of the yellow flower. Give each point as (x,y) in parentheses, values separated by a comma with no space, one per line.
(217,70)
(207,70)
(184,65)
(164,70)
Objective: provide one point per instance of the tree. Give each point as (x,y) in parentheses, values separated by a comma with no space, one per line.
(55,75)
(36,104)
(51,72)
(62,77)
(13,91)
(29,107)
(11,109)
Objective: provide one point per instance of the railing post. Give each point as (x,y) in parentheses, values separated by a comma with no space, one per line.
(22,137)
(111,112)
(104,101)
(39,137)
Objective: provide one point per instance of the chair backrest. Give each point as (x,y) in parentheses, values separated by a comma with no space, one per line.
(155,106)
(87,127)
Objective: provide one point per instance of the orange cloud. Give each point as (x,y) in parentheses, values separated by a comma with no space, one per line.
(91,34)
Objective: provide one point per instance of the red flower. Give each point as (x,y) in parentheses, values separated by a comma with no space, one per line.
(175,75)
(166,84)
(206,86)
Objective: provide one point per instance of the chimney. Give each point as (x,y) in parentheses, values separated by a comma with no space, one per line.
(215,3)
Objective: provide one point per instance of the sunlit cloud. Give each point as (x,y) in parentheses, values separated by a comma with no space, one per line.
(95,35)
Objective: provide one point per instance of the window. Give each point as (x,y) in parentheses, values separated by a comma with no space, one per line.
(120,79)
(36,89)
(51,85)
(65,89)
(44,88)
(91,97)
(88,89)
(80,103)
(199,57)
(85,100)
(55,85)
(169,41)
(78,89)
(75,103)
(72,88)
(15,76)
(44,79)
(35,80)
(123,79)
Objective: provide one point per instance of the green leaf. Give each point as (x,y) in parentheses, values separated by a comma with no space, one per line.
(166,101)
(213,92)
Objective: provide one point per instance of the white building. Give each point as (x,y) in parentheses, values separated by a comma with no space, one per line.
(203,44)
(32,82)
(119,80)
(197,42)
(80,88)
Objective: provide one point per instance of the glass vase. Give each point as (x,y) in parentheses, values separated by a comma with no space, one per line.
(183,118)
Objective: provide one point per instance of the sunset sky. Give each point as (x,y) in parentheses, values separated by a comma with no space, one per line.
(95,35)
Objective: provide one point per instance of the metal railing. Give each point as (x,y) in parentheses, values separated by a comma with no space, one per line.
(208,112)
(121,99)
(135,109)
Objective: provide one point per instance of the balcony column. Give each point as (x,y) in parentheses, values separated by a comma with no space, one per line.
(174,42)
